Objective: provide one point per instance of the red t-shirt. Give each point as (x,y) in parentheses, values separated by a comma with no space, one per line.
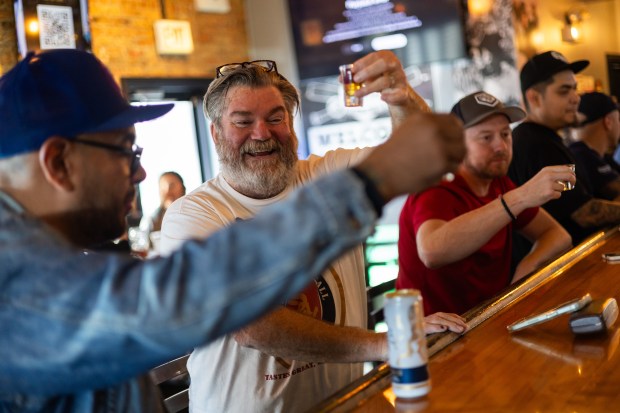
(459,286)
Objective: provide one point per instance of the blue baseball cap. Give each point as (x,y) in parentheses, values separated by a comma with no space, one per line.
(62,92)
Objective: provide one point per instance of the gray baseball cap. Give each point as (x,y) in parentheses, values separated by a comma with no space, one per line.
(478,106)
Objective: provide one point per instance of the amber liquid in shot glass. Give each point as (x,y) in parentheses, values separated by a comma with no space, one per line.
(350,100)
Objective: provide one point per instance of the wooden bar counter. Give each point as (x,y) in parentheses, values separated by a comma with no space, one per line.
(544,368)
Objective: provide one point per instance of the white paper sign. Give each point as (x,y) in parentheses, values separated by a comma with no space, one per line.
(56,27)
(173,37)
(212,6)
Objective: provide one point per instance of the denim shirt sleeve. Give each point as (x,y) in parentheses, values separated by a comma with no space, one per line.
(73,321)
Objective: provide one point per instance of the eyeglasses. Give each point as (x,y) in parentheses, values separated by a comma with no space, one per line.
(134,153)
(266,65)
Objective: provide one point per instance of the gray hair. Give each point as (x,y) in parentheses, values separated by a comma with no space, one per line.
(252,76)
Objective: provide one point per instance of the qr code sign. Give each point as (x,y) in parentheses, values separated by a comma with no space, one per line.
(56,27)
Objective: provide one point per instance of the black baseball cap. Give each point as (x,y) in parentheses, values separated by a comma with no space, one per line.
(595,105)
(478,106)
(542,66)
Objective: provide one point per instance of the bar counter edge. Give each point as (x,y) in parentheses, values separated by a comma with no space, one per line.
(378,379)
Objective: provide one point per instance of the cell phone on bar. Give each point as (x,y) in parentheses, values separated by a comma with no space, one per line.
(567,307)
(596,317)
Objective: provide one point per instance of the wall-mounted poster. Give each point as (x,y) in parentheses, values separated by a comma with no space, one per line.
(54,24)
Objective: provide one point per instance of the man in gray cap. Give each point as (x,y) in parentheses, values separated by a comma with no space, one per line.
(455,238)
(597,137)
(549,90)
(78,328)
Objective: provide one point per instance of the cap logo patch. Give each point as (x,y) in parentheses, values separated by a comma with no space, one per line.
(559,56)
(486,100)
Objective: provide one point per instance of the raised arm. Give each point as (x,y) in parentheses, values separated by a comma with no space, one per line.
(425,145)
(382,72)
(444,242)
(203,290)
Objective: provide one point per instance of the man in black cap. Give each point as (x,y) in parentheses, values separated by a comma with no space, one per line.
(77,328)
(455,238)
(549,90)
(597,137)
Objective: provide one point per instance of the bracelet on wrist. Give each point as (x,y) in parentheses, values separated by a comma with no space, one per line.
(508,211)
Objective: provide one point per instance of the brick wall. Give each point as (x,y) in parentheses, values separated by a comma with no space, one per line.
(123,37)
(8,43)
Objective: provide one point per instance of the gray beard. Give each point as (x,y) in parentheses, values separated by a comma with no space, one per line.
(263,179)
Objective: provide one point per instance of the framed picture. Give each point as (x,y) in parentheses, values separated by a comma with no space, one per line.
(56,24)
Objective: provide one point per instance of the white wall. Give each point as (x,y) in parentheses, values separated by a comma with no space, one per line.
(269,35)
(600,33)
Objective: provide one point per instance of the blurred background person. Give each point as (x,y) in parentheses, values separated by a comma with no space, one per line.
(597,137)
(171,188)
(144,239)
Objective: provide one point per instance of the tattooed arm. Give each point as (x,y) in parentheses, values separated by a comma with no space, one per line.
(597,212)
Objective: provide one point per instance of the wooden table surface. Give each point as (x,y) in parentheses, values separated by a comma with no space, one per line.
(544,368)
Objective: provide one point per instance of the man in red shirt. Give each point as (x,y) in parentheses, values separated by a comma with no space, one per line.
(456,238)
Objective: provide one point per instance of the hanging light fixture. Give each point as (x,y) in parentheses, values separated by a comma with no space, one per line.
(572,32)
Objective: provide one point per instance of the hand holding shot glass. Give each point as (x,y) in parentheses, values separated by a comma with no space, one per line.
(568,185)
(350,87)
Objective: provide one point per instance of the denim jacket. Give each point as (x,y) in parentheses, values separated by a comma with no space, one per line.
(78,327)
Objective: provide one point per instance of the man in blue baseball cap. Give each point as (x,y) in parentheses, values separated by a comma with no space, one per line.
(78,326)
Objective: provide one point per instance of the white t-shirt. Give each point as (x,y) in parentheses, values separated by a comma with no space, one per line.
(226,377)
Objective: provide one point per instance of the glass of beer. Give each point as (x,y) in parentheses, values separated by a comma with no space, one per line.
(350,100)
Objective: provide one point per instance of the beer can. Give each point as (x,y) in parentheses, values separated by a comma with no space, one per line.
(408,354)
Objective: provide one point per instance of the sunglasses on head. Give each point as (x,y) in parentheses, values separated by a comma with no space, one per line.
(266,65)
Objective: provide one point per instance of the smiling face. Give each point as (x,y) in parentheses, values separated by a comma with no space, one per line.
(255,141)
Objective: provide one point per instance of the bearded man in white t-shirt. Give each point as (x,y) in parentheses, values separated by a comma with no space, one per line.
(314,345)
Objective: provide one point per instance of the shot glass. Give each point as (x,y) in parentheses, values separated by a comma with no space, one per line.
(350,100)
(567,184)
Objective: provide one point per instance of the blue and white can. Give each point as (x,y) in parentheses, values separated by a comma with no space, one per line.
(408,354)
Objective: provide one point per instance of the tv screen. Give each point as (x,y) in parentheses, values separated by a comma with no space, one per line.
(328,33)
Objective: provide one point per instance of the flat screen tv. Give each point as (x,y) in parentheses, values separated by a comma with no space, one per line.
(328,33)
